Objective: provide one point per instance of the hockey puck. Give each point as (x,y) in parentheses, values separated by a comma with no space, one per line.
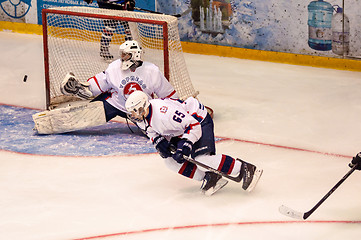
(25,78)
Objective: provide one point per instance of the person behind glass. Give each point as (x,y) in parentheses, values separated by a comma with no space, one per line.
(111,25)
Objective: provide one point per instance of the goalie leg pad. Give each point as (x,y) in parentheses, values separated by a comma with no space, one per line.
(71,118)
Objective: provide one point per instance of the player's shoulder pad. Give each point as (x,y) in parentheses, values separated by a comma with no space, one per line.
(150,66)
(114,65)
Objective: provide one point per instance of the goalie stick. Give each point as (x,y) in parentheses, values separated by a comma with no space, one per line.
(304,215)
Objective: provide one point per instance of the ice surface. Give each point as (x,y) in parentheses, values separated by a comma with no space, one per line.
(300,124)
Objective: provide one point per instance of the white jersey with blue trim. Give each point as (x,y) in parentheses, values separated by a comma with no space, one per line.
(121,83)
(175,118)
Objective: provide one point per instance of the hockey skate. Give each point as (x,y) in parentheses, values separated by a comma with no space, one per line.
(105,54)
(250,175)
(212,182)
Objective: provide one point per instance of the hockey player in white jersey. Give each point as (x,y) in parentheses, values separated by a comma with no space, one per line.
(112,87)
(188,127)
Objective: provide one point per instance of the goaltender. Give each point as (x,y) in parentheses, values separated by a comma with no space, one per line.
(107,90)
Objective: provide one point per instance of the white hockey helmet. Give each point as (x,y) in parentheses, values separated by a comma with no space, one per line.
(137,105)
(131,54)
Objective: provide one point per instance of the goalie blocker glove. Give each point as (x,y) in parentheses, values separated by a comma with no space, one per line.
(71,86)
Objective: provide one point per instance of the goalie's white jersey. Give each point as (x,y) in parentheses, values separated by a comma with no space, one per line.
(175,118)
(121,83)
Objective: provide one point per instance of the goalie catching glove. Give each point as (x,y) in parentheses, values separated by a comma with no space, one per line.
(71,86)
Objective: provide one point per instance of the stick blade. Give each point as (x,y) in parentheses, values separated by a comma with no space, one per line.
(291,213)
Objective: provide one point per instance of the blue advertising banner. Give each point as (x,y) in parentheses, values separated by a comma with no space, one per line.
(329,28)
(44,4)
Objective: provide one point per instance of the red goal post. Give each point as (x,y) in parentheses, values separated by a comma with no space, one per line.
(71,40)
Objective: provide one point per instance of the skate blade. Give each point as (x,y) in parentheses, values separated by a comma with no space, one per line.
(221,183)
(257,175)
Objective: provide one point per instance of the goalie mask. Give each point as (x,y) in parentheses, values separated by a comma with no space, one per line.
(131,55)
(137,105)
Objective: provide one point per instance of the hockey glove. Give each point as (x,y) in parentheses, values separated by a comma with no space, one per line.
(184,148)
(129,5)
(71,86)
(162,146)
(356,161)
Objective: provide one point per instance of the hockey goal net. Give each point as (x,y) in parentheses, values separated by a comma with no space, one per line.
(72,36)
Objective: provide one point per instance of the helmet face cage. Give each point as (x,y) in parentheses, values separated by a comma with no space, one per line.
(130,53)
(137,115)
(125,56)
(137,105)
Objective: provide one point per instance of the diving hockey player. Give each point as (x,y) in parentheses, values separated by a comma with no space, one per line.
(188,127)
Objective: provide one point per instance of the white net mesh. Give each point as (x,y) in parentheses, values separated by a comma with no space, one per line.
(75,35)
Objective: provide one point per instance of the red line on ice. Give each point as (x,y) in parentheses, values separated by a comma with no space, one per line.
(214,225)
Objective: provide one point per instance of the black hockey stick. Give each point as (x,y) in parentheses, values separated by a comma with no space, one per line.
(235,179)
(257,174)
(173,148)
(303,216)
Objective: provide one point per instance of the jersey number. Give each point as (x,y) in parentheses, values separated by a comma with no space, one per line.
(178,116)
